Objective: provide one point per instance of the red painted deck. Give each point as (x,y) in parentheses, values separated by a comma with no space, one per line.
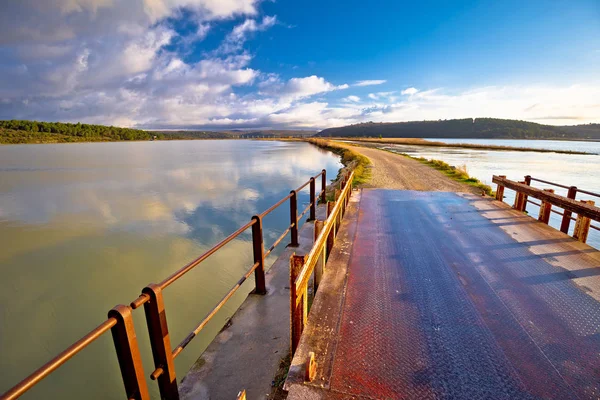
(441,301)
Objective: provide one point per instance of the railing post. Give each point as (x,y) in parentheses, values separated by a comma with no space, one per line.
(294,218)
(160,342)
(324,186)
(545,209)
(500,190)
(582,224)
(298,306)
(566,220)
(313,200)
(320,267)
(258,250)
(128,354)
(525,197)
(520,200)
(331,236)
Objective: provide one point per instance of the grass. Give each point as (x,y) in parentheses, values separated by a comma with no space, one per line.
(423,142)
(458,174)
(350,158)
(277,392)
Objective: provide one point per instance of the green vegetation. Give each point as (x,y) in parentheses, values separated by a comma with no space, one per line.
(351,160)
(485,128)
(57,132)
(458,174)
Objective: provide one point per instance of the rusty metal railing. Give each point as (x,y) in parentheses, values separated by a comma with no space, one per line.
(585,209)
(303,267)
(120,321)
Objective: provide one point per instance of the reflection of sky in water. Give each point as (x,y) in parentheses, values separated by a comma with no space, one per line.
(86,226)
(566,169)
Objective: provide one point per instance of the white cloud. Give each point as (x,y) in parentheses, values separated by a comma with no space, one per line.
(354,99)
(409,91)
(370,82)
(235,40)
(373,96)
(298,88)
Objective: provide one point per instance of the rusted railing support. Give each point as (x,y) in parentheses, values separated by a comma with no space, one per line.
(294,218)
(128,354)
(323,186)
(258,250)
(313,200)
(160,342)
(500,190)
(298,302)
(331,237)
(525,197)
(582,224)
(320,267)
(545,209)
(566,220)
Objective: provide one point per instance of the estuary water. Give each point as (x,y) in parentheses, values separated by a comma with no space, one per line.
(582,171)
(86,226)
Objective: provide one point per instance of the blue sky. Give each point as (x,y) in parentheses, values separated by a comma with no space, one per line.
(221,64)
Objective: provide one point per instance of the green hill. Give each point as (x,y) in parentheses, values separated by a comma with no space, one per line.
(484,128)
(58,132)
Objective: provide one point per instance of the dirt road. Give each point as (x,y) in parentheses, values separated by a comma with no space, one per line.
(392,171)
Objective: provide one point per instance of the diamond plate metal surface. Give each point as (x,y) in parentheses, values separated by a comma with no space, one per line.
(441,303)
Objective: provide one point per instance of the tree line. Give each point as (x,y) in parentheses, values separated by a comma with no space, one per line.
(31,131)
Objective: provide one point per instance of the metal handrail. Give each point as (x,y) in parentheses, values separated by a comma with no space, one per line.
(122,325)
(59,360)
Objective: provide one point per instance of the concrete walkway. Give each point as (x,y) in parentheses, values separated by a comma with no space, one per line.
(247,352)
(444,295)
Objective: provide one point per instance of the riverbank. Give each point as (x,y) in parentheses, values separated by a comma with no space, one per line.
(423,142)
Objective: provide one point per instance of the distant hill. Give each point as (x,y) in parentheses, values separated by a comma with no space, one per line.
(234,134)
(484,128)
(17,131)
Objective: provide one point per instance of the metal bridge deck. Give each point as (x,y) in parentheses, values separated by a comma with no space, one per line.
(453,296)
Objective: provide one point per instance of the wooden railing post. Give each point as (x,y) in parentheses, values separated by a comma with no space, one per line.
(582,224)
(298,303)
(566,220)
(324,186)
(294,218)
(320,267)
(128,354)
(313,200)
(500,190)
(160,342)
(545,209)
(258,250)
(520,200)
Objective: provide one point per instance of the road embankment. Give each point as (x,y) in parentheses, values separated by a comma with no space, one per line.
(383,169)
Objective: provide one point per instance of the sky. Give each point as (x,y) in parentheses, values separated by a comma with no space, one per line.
(281,64)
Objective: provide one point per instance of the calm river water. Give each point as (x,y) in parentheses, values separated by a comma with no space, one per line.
(86,226)
(582,171)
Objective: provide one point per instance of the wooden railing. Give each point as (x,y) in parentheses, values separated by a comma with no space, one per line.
(313,264)
(585,209)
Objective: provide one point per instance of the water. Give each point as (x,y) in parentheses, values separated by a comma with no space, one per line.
(566,169)
(86,226)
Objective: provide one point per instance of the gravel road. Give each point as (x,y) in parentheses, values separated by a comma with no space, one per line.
(392,171)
